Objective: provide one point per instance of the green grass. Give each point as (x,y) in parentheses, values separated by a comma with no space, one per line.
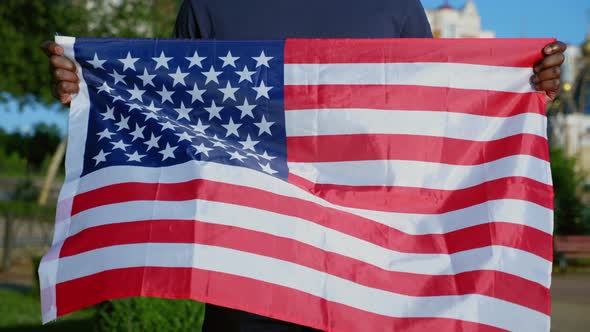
(21,312)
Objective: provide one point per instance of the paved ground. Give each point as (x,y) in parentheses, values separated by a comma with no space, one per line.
(570,295)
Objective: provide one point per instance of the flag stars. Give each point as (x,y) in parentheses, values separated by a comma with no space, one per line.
(246,109)
(166,95)
(245,75)
(167,152)
(263,126)
(146,78)
(96,62)
(135,156)
(262,90)
(162,60)
(183,112)
(266,168)
(202,149)
(152,142)
(117,77)
(128,62)
(167,125)
(184,136)
(100,157)
(211,75)
(199,127)
(178,77)
(262,60)
(119,145)
(229,60)
(236,155)
(195,60)
(136,93)
(108,114)
(137,133)
(266,156)
(123,123)
(105,88)
(229,92)
(214,110)
(106,133)
(248,144)
(232,128)
(196,94)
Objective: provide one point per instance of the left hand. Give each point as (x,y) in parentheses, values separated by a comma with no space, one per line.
(547,71)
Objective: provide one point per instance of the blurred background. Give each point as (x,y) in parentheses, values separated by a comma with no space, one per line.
(33,129)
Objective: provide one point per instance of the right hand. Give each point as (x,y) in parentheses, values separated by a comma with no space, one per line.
(65,80)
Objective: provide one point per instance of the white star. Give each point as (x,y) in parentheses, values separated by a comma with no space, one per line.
(137,133)
(135,156)
(115,98)
(150,111)
(246,109)
(166,94)
(104,87)
(195,60)
(245,74)
(123,123)
(162,61)
(199,127)
(146,78)
(229,60)
(232,128)
(168,152)
(167,125)
(201,148)
(105,134)
(136,93)
(183,112)
(96,62)
(236,155)
(128,62)
(133,106)
(196,94)
(119,145)
(253,155)
(100,157)
(178,77)
(108,114)
(152,108)
(229,92)
(262,90)
(183,137)
(248,143)
(263,126)
(118,77)
(262,60)
(214,110)
(152,142)
(266,156)
(211,75)
(218,143)
(266,168)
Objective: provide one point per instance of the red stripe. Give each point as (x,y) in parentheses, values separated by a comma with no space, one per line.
(429,201)
(493,233)
(495,52)
(244,294)
(453,151)
(188,231)
(420,98)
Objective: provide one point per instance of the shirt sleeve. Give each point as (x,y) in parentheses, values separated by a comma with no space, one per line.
(186,22)
(416,23)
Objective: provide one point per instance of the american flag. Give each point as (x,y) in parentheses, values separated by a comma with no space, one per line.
(346,185)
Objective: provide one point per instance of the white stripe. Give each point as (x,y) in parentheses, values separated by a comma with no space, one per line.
(506,210)
(428,123)
(504,259)
(420,174)
(474,308)
(452,75)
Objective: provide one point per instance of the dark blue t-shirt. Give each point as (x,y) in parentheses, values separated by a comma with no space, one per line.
(278,19)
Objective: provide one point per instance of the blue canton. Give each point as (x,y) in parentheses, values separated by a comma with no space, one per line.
(166,102)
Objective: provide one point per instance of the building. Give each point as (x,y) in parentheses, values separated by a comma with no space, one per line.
(448,22)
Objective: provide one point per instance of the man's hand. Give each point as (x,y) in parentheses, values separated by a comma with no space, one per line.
(63,72)
(547,71)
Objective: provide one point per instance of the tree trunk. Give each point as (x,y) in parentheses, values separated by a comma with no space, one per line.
(56,160)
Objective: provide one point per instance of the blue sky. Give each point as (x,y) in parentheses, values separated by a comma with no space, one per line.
(566,20)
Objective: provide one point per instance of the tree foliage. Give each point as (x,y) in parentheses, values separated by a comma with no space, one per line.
(24,25)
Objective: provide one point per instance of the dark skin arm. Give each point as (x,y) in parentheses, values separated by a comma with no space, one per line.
(65,81)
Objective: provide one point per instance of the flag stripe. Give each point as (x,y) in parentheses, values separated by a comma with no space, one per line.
(428,201)
(442,74)
(472,307)
(477,236)
(506,210)
(520,263)
(443,124)
(453,151)
(420,174)
(242,293)
(414,97)
(189,231)
(495,52)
